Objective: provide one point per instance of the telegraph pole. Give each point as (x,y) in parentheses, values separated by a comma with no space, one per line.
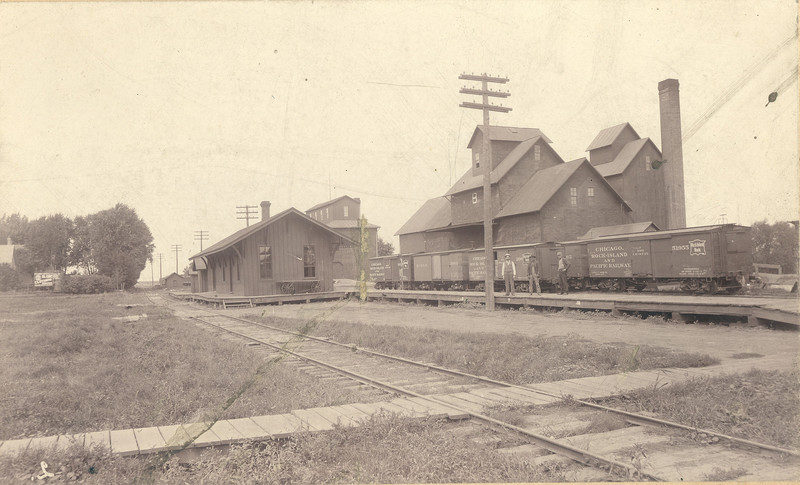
(176,248)
(245,212)
(160,257)
(152,272)
(201,236)
(484,92)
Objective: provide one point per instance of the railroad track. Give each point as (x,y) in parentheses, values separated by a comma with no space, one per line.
(643,447)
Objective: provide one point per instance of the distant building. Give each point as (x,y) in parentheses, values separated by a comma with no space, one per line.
(176,282)
(9,254)
(286,253)
(343,214)
(537,197)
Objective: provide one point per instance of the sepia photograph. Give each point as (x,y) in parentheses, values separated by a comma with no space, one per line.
(414,241)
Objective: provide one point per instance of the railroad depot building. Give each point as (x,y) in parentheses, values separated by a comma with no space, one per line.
(289,252)
(537,197)
(343,214)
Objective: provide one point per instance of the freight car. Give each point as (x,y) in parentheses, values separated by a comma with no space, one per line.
(697,259)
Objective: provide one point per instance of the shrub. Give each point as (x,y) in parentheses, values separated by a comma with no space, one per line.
(9,278)
(84,284)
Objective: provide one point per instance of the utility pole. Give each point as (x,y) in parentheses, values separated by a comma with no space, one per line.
(176,248)
(152,272)
(201,236)
(488,239)
(160,275)
(245,212)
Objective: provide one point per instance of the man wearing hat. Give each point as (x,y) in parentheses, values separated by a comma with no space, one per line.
(509,272)
(563,266)
(533,275)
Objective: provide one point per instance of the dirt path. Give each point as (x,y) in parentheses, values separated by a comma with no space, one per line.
(719,341)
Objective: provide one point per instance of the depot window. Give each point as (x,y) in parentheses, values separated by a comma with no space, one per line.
(573,196)
(309,262)
(346,211)
(265,261)
(537,152)
(647,163)
(590,192)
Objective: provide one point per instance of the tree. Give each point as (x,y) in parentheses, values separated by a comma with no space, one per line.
(14,227)
(80,253)
(385,248)
(48,240)
(776,244)
(121,244)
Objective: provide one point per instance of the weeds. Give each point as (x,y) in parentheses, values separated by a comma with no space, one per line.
(758,405)
(512,358)
(79,370)
(723,475)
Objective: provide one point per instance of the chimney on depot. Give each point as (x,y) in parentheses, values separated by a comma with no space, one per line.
(265,210)
(672,152)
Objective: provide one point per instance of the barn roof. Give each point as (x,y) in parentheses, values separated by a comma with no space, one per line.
(348,224)
(333,201)
(544,184)
(469,181)
(243,233)
(607,136)
(508,133)
(632,228)
(624,157)
(434,214)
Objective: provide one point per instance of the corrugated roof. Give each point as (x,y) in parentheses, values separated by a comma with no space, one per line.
(624,157)
(332,201)
(469,181)
(508,133)
(607,136)
(434,214)
(243,233)
(632,228)
(348,224)
(544,184)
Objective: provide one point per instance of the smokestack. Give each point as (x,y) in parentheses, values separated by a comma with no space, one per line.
(265,210)
(672,151)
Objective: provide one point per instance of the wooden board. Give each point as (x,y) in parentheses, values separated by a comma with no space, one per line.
(280,425)
(249,429)
(123,442)
(149,440)
(97,439)
(312,421)
(11,447)
(175,437)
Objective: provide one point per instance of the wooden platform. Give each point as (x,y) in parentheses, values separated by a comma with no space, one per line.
(233,301)
(753,310)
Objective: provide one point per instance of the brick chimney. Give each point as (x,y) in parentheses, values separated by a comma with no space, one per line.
(265,210)
(672,151)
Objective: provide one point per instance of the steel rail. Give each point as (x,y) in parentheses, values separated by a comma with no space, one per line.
(632,418)
(582,456)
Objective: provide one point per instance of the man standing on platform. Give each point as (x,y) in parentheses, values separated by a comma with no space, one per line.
(563,266)
(509,272)
(533,275)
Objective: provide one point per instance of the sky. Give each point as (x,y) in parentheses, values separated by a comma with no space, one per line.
(186,110)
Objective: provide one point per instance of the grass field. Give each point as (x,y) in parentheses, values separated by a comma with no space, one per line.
(80,363)
(512,358)
(72,363)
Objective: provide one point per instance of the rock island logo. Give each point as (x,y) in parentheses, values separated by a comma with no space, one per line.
(697,247)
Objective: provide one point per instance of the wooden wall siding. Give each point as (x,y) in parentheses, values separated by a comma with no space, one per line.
(518,229)
(606,154)
(462,210)
(336,211)
(412,243)
(562,221)
(500,149)
(524,170)
(644,189)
